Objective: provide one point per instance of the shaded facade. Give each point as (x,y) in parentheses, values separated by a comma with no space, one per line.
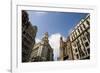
(77,45)
(42,51)
(28,37)
(66,49)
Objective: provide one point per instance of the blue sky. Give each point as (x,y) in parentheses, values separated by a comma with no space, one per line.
(57,24)
(54,22)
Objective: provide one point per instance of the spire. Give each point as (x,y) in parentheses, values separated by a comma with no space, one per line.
(61,42)
(46,34)
(60,38)
(45,37)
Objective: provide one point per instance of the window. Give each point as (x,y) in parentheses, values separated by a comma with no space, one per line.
(82,26)
(77,56)
(66,57)
(88,22)
(88,50)
(78,30)
(84,38)
(75,50)
(86,44)
(28,36)
(24,32)
(27,41)
(88,36)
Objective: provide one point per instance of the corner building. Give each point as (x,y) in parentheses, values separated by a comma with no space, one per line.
(77,44)
(42,51)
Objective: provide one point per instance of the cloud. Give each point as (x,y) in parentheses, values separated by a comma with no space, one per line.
(37,40)
(54,41)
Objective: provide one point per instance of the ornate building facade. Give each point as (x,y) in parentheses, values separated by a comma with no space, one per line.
(42,51)
(77,45)
(28,37)
(66,49)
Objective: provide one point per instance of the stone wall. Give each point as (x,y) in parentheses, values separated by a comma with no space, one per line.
(28,36)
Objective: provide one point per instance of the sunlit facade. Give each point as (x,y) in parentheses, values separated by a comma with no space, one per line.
(77,45)
(42,51)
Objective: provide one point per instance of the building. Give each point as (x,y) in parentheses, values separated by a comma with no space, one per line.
(66,49)
(28,37)
(42,51)
(63,53)
(77,45)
